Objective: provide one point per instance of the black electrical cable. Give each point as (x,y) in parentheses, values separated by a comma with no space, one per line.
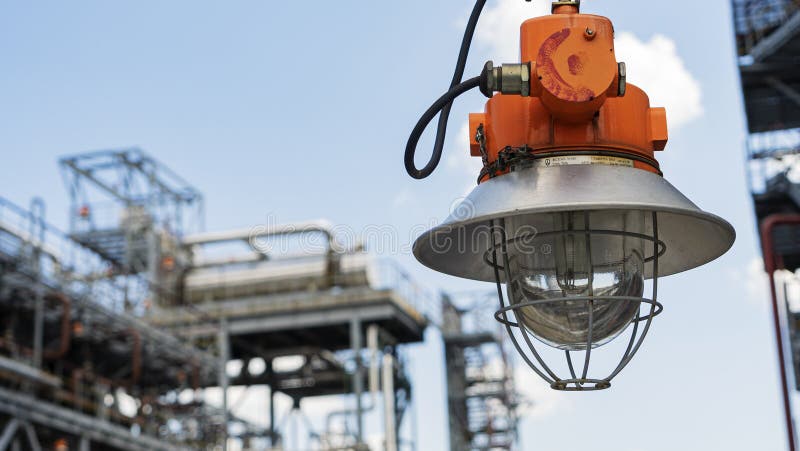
(439,105)
(441,128)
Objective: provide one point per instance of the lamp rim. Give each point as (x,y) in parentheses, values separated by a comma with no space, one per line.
(623,189)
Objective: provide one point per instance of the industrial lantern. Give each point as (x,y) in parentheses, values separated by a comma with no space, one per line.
(571,213)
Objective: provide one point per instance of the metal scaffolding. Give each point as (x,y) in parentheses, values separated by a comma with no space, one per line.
(72,357)
(279,297)
(481,398)
(112,334)
(768,44)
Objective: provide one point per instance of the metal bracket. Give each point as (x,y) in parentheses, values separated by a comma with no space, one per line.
(575,3)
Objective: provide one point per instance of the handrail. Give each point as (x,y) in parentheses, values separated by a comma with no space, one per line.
(392,276)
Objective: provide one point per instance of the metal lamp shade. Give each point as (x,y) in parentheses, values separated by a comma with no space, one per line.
(603,205)
(691,237)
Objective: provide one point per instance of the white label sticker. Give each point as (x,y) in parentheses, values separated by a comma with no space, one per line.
(566,160)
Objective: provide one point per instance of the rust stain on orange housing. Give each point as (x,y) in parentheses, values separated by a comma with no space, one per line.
(575,103)
(551,79)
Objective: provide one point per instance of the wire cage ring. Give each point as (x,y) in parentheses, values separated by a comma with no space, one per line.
(502,317)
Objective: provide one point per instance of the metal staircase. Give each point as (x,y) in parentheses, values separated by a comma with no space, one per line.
(481,398)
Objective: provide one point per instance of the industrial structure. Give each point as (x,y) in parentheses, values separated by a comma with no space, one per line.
(117,333)
(768,46)
(481,399)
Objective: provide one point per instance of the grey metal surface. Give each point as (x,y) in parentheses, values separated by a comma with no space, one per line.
(692,236)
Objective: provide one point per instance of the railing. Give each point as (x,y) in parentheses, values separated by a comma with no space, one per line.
(390,275)
(49,257)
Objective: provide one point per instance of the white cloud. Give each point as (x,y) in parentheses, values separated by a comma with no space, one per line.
(656,67)
(498,28)
(756,281)
(459,160)
(544,401)
(653,65)
(756,284)
(402,198)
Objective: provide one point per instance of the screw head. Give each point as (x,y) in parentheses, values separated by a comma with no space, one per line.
(589,34)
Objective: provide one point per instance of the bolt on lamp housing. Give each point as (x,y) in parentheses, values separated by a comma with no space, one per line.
(571,213)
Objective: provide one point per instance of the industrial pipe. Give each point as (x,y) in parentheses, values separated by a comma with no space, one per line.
(247,234)
(771,264)
(136,357)
(28,372)
(65,336)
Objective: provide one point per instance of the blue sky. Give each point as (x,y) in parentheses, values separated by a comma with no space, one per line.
(300,110)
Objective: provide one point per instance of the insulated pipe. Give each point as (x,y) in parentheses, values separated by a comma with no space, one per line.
(66,329)
(771,264)
(251,233)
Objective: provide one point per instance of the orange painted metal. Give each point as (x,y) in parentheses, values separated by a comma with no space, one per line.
(574,103)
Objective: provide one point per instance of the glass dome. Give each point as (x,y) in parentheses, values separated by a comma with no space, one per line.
(577,255)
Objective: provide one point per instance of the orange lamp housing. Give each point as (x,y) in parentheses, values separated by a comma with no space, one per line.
(571,219)
(580,109)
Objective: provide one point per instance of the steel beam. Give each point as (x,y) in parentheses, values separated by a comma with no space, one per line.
(27,408)
(769,45)
(8,433)
(28,372)
(33,439)
(294,320)
(784,89)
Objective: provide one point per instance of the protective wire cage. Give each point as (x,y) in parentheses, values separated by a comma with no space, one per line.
(497,256)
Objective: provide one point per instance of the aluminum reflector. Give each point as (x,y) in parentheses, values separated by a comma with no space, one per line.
(535,196)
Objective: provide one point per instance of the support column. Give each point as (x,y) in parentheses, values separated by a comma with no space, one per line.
(273,436)
(390,421)
(38,328)
(224,356)
(36,238)
(358,376)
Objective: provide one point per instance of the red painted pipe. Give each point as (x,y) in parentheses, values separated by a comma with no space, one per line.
(66,331)
(771,264)
(195,375)
(136,357)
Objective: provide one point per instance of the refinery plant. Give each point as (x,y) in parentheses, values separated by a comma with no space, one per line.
(135,327)
(114,330)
